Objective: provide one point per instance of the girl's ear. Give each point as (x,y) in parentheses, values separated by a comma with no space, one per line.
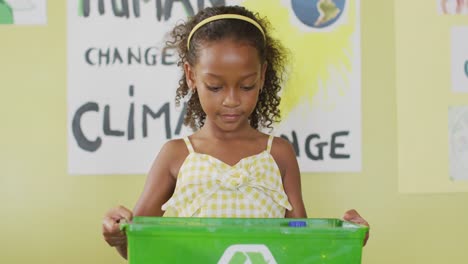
(189,75)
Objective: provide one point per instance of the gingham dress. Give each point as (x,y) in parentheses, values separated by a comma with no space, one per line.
(208,187)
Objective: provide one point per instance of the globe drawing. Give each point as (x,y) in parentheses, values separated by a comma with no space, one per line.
(318,13)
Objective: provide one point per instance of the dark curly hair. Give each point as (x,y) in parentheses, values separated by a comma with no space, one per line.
(269,50)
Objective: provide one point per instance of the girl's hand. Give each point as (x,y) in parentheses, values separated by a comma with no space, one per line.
(353,216)
(110,226)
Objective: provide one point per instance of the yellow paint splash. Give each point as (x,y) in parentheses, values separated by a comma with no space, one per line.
(317,57)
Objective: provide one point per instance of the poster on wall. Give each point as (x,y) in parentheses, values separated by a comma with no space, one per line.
(431,85)
(23,12)
(458,114)
(452,7)
(122,80)
(459,58)
(458,142)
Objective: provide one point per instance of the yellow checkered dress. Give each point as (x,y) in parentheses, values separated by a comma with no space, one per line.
(208,187)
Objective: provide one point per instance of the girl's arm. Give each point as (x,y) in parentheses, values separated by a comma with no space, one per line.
(285,156)
(159,186)
(161,179)
(353,216)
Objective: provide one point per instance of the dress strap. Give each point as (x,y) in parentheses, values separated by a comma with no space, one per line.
(270,142)
(189,145)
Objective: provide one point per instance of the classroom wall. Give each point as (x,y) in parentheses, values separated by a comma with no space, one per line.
(48,216)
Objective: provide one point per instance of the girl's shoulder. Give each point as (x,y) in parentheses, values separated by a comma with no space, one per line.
(283,153)
(172,155)
(174,151)
(277,143)
(175,147)
(280,143)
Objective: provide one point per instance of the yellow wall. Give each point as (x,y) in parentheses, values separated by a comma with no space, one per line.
(424,167)
(47,216)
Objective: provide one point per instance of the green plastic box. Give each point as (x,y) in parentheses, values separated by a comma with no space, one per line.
(243,240)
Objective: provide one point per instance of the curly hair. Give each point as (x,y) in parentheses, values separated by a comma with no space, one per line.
(270,50)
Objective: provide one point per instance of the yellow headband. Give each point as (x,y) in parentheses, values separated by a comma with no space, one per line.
(223,16)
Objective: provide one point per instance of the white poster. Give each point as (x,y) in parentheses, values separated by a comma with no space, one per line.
(23,12)
(122,82)
(452,7)
(459,51)
(458,142)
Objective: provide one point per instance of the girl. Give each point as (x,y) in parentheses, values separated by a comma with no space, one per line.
(232,73)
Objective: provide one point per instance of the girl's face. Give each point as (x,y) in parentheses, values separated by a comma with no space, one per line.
(228,78)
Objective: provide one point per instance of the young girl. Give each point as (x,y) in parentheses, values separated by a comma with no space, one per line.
(232,73)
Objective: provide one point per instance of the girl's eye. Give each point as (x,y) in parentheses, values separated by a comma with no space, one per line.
(213,88)
(247,88)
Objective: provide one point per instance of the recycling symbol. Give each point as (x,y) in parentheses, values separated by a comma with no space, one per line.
(247,254)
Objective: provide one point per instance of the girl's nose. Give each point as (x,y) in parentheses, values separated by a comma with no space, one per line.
(232,98)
